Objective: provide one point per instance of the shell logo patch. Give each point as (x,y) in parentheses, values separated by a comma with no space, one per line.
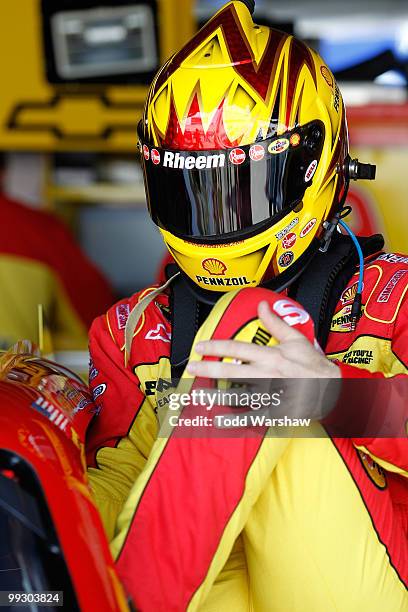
(214,266)
(348,295)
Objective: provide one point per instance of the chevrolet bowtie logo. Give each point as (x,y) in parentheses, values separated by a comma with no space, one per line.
(97,115)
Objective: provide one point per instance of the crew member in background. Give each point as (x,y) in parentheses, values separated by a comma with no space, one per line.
(41,264)
(245,154)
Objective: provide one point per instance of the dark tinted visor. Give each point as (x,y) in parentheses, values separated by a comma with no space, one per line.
(231,193)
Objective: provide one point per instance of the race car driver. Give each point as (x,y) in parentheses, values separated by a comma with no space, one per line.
(245,156)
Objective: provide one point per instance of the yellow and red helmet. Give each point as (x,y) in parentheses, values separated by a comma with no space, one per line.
(244,145)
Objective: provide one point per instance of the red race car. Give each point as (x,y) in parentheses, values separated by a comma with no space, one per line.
(51,536)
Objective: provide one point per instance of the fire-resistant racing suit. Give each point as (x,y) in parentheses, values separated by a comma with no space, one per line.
(258,523)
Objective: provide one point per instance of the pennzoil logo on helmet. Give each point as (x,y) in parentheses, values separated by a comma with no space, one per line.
(260,98)
(278,146)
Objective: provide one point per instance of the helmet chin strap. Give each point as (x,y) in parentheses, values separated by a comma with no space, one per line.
(202,295)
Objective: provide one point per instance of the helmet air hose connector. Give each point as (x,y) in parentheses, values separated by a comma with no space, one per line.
(330,228)
(356,170)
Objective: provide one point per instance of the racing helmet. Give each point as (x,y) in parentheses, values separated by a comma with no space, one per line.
(244,149)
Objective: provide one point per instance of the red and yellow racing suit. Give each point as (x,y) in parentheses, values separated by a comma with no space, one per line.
(262,523)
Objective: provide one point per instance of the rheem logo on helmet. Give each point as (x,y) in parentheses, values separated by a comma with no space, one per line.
(289,240)
(214,266)
(155,155)
(256,152)
(178,160)
(146,152)
(237,156)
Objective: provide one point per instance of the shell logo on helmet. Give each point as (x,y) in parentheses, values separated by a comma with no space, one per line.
(214,266)
(295,140)
(326,74)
